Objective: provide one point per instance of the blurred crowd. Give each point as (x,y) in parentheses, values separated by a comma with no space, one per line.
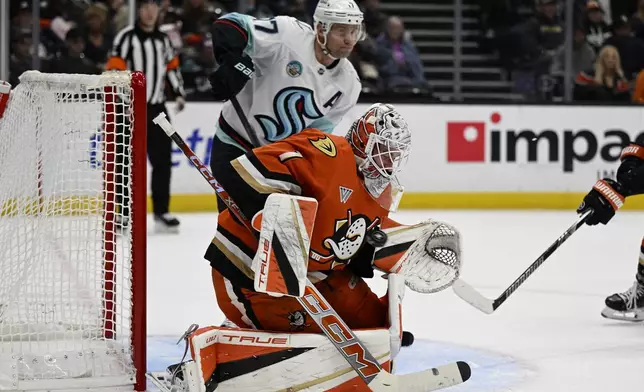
(607,55)
(76,37)
(527,36)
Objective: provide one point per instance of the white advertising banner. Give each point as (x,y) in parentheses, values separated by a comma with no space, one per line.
(470,148)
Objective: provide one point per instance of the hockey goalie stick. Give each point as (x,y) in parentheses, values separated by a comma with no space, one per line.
(340,335)
(488,306)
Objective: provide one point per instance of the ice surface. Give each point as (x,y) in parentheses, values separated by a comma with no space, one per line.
(549,336)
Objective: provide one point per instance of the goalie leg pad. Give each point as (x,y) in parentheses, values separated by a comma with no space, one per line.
(282,258)
(248,360)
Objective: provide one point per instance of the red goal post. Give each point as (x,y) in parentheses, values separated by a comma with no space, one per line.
(73,233)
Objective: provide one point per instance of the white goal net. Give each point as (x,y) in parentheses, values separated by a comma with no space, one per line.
(71,279)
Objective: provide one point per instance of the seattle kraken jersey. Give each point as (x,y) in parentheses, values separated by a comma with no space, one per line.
(290,90)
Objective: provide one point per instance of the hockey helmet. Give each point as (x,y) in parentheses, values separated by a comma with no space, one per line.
(381,143)
(330,12)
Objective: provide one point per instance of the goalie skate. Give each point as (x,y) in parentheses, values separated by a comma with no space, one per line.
(626,306)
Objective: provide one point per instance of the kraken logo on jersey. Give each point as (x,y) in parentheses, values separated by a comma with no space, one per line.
(291,106)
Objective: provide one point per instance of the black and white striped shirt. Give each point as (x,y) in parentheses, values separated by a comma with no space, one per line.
(152,54)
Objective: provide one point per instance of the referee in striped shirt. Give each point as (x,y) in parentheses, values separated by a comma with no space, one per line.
(143,47)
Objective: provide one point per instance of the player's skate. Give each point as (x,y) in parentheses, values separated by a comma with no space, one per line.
(166,223)
(628,306)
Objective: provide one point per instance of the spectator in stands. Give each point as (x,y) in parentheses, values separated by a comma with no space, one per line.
(583,55)
(367,57)
(542,33)
(72,60)
(597,30)
(404,70)
(540,41)
(97,40)
(631,49)
(298,10)
(20,58)
(198,15)
(21,15)
(374,20)
(637,20)
(197,58)
(497,17)
(605,82)
(119,15)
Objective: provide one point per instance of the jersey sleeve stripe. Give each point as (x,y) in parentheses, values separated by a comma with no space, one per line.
(234,255)
(242,23)
(271,173)
(287,156)
(121,46)
(222,261)
(235,26)
(392,250)
(236,242)
(253,177)
(230,132)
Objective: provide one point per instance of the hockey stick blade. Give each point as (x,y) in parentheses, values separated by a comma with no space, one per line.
(428,380)
(488,306)
(473,297)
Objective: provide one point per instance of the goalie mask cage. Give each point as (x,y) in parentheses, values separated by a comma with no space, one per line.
(72,233)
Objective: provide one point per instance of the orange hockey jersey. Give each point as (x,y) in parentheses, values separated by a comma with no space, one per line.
(312,164)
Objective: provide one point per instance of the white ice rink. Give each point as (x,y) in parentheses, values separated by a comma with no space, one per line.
(548,337)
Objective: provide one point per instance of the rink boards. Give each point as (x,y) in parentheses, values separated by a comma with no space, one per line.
(467,156)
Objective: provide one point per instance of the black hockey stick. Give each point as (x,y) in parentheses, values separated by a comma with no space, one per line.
(488,306)
(336,330)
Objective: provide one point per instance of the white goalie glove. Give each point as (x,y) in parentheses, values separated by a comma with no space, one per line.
(432,262)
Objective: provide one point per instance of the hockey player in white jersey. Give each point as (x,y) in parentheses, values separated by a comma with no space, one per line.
(285,75)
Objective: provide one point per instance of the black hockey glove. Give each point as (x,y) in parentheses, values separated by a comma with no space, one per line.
(362,263)
(630,174)
(604,199)
(231,76)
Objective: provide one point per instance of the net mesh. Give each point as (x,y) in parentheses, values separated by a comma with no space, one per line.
(65,251)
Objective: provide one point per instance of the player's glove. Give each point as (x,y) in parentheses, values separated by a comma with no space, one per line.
(231,76)
(630,174)
(604,199)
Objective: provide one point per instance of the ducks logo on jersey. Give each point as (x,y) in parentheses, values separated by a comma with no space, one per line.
(347,240)
(325,145)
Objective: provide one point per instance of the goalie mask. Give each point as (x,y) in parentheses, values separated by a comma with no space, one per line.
(381,142)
